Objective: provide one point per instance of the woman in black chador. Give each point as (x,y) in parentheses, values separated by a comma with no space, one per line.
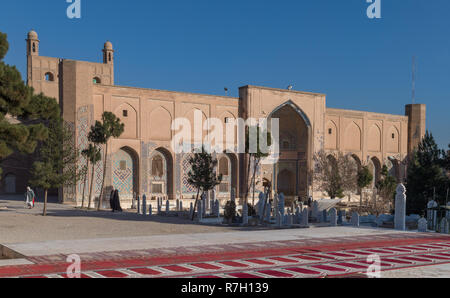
(111,200)
(117,201)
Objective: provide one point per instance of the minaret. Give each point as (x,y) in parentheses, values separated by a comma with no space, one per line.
(32,51)
(32,44)
(108,53)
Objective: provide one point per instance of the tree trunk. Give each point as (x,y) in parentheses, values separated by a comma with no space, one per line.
(91,186)
(361,199)
(45,202)
(254,181)
(265,206)
(195,205)
(247,180)
(84,183)
(103,180)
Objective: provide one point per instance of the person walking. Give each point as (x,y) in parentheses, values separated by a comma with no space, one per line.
(111,200)
(117,201)
(31,197)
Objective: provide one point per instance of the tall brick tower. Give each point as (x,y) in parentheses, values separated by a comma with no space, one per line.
(417,114)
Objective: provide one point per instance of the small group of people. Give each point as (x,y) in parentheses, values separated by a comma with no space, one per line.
(114,201)
(30,198)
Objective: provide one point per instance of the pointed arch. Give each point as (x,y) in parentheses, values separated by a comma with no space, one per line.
(296,108)
(393,140)
(190,115)
(331,135)
(295,142)
(353,137)
(160,128)
(161,172)
(129,116)
(374,142)
(125,172)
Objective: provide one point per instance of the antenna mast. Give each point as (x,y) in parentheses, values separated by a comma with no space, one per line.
(414,80)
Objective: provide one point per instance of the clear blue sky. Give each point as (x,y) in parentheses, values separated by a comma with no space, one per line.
(325,46)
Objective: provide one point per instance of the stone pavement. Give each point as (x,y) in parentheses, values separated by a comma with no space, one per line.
(21,225)
(313,252)
(129,245)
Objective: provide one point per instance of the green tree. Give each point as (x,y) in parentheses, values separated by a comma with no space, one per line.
(203,175)
(365,179)
(92,155)
(112,128)
(57,163)
(96,137)
(17,133)
(386,188)
(426,175)
(255,158)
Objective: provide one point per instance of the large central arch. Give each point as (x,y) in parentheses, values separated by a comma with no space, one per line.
(125,174)
(291,173)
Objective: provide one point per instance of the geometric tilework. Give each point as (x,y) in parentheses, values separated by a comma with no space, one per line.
(123,171)
(186,188)
(98,176)
(160,179)
(82,140)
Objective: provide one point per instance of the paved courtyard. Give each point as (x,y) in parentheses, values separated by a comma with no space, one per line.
(127,245)
(19,225)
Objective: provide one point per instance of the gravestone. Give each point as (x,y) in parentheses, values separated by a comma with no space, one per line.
(275,204)
(423,225)
(340,218)
(245,214)
(444,226)
(144,204)
(217,208)
(355,219)
(291,219)
(315,210)
(138,205)
(298,215)
(432,214)
(279,219)
(203,210)
(191,210)
(319,217)
(268,212)
(213,200)
(159,205)
(208,206)
(333,217)
(200,211)
(400,208)
(261,203)
(305,217)
(448,211)
(281,203)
